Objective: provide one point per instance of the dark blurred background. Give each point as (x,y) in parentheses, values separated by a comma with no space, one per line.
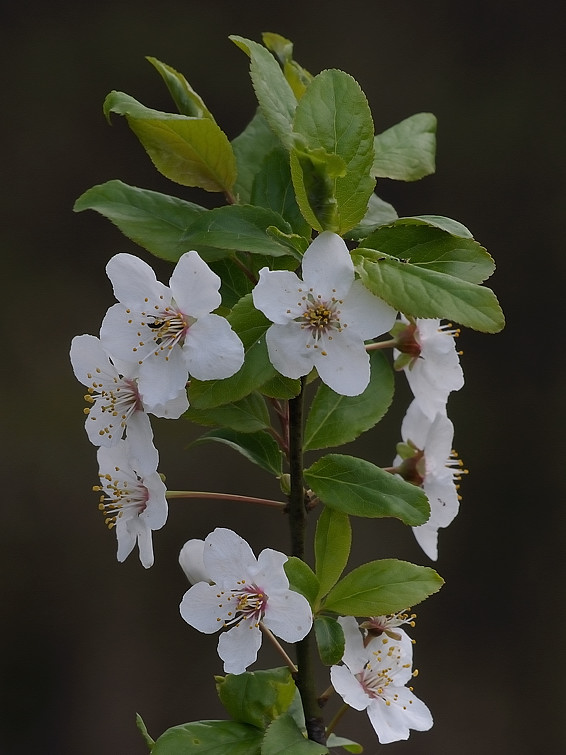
(87,642)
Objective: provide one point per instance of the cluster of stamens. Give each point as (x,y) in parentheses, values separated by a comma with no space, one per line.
(375,681)
(120,498)
(167,326)
(319,317)
(249,603)
(118,402)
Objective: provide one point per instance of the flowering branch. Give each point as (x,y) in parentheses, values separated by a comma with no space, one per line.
(225,497)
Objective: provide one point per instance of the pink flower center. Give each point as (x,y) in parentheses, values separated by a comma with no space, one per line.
(121,498)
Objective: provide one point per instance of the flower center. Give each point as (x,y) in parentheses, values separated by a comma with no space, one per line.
(375,680)
(121,498)
(319,317)
(249,603)
(118,401)
(169,327)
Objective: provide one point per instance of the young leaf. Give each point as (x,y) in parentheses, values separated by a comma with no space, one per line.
(297,76)
(157,222)
(283,737)
(144,732)
(359,488)
(429,244)
(251,147)
(420,292)
(210,738)
(274,95)
(407,150)
(332,542)
(247,415)
(256,697)
(346,744)
(331,162)
(184,96)
(330,640)
(334,419)
(189,151)
(301,578)
(260,448)
(382,587)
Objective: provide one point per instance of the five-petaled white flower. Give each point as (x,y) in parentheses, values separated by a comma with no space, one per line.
(115,404)
(434,466)
(246,592)
(373,678)
(132,496)
(323,320)
(169,331)
(430,362)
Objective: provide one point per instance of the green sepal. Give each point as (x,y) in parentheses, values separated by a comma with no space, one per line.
(157,222)
(237,228)
(359,488)
(329,639)
(247,415)
(333,152)
(190,151)
(210,738)
(256,697)
(274,95)
(407,150)
(144,732)
(184,96)
(334,419)
(283,737)
(405,451)
(258,447)
(346,744)
(332,543)
(382,587)
(421,292)
(377,214)
(302,579)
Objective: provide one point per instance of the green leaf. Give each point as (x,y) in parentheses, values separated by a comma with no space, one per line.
(223,230)
(297,76)
(157,222)
(346,744)
(247,415)
(382,587)
(301,578)
(184,96)
(210,738)
(274,95)
(273,189)
(189,151)
(359,488)
(281,387)
(283,737)
(425,243)
(333,128)
(407,150)
(235,283)
(330,640)
(332,542)
(144,732)
(250,324)
(256,697)
(378,213)
(420,292)
(259,447)
(251,147)
(334,419)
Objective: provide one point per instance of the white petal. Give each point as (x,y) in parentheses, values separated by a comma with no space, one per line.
(286,346)
(427,537)
(288,615)
(278,295)
(238,648)
(270,574)
(140,441)
(227,557)
(145,543)
(173,408)
(327,266)
(443,498)
(195,287)
(126,540)
(368,315)
(160,379)
(393,722)
(212,350)
(119,336)
(204,607)
(416,425)
(345,367)
(191,561)
(133,280)
(349,688)
(355,655)
(157,509)
(88,356)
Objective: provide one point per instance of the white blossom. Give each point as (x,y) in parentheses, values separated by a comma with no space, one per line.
(169,332)
(245,592)
(115,406)
(434,466)
(132,496)
(373,678)
(430,362)
(323,320)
